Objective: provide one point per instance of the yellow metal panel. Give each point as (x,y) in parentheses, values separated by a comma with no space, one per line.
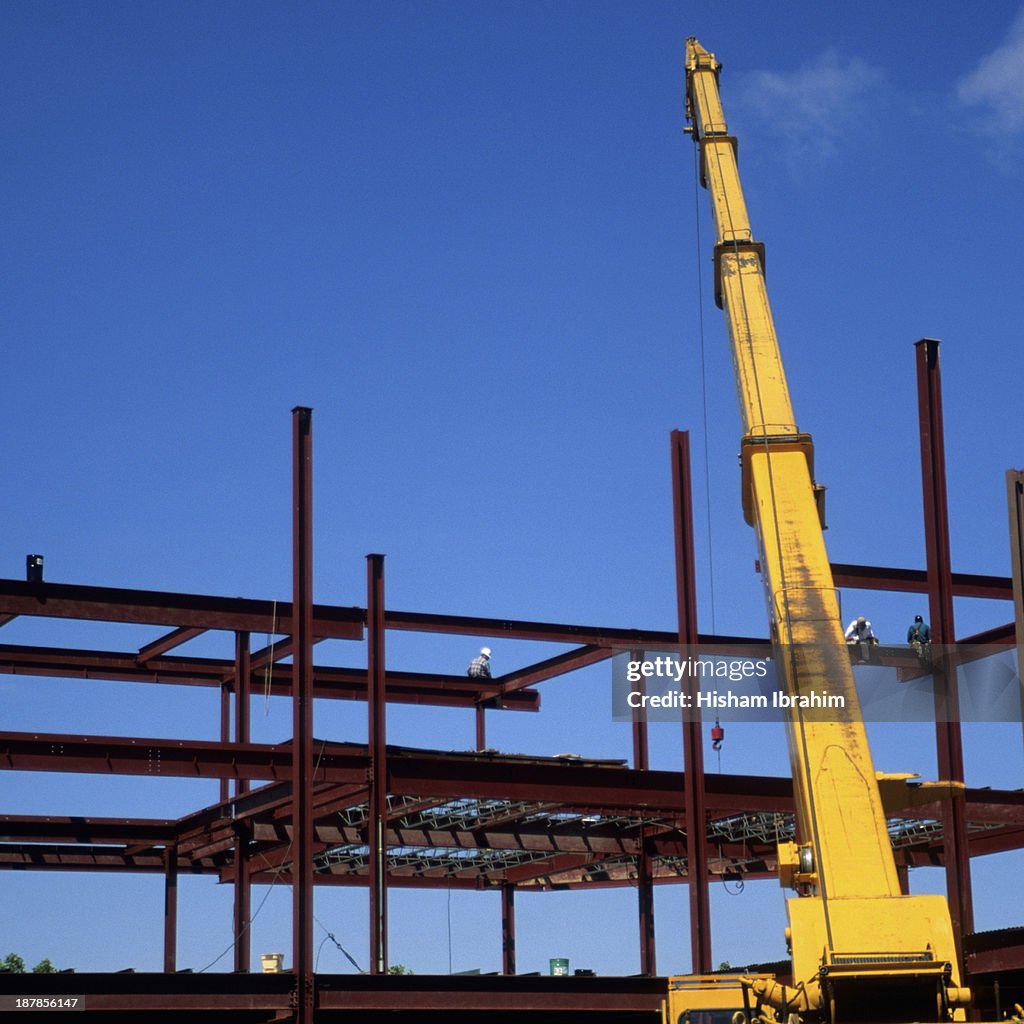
(765,406)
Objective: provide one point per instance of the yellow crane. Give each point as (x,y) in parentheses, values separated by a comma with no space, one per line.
(861,950)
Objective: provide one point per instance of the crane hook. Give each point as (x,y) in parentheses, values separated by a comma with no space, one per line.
(717,735)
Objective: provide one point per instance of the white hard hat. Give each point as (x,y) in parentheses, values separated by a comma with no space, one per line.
(485,651)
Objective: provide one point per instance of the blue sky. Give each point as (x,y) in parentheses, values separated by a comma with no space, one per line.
(467,236)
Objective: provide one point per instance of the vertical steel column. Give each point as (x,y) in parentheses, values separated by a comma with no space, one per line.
(640,748)
(302,705)
(1015,508)
(644,877)
(243,695)
(508,928)
(377,820)
(481,728)
(170,908)
(940,606)
(903,874)
(225,730)
(693,743)
(243,897)
(243,889)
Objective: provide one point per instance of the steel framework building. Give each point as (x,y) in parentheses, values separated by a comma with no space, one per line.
(313,812)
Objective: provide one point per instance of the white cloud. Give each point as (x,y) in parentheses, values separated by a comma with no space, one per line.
(812,106)
(996,86)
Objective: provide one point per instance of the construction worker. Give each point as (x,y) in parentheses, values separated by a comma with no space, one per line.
(480,665)
(919,636)
(859,632)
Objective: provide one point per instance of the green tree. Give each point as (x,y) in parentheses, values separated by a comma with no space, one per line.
(14,964)
(399,969)
(44,967)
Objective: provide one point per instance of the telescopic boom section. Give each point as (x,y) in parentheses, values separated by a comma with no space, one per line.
(852,907)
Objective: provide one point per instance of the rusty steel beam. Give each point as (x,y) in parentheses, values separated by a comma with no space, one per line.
(574,784)
(693,741)
(915,581)
(508,929)
(31,828)
(1005,634)
(167,642)
(225,730)
(156,608)
(750,860)
(949,742)
(480,722)
(40,856)
(131,996)
(242,907)
(559,665)
(519,629)
(328,682)
(521,995)
(268,996)
(377,808)
(644,867)
(116,755)
(1015,515)
(302,713)
(170,910)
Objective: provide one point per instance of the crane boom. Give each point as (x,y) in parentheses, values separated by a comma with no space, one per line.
(855,939)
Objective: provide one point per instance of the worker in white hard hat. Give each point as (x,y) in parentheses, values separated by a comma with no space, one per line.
(481,664)
(860,633)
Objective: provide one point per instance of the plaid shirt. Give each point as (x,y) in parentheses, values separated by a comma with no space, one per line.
(479,666)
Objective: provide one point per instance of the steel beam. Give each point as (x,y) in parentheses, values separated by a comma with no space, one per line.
(940,603)
(1015,510)
(378,796)
(610,788)
(644,875)
(329,682)
(166,643)
(693,741)
(33,828)
(915,581)
(519,629)
(225,729)
(480,721)
(508,929)
(559,665)
(243,896)
(302,717)
(109,604)
(170,909)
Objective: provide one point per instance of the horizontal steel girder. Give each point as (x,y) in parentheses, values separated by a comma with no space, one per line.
(572,783)
(328,682)
(110,604)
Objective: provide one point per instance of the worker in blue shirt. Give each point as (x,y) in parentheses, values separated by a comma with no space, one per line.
(919,636)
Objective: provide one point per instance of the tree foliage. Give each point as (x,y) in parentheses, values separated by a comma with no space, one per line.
(14,964)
